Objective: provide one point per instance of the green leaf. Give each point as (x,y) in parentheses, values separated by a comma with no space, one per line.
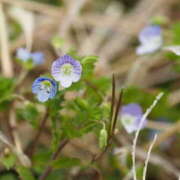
(176,32)
(159,20)
(40,159)
(6,88)
(29,113)
(8,160)
(54,104)
(89,60)
(177,67)
(9,176)
(97,88)
(66,162)
(28,65)
(57,42)
(25,173)
(88,64)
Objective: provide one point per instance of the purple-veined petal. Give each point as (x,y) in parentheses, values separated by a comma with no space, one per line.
(66,70)
(44,88)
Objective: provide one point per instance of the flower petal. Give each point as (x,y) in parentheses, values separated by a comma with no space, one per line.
(150,40)
(149,32)
(23,54)
(43,89)
(131,115)
(42,96)
(66,78)
(66,83)
(37,57)
(149,47)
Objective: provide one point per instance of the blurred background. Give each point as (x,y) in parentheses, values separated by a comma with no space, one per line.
(108,29)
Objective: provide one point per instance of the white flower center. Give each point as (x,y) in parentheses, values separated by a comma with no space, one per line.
(127,119)
(45,86)
(67,69)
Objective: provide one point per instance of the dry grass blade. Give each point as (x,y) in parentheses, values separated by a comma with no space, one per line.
(6,64)
(158,97)
(26,20)
(148,157)
(25,161)
(35,6)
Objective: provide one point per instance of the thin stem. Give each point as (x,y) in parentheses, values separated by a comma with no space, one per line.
(54,156)
(32,146)
(113,125)
(148,157)
(21,77)
(112,103)
(158,97)
(17,149)
(117,111)
(98,156)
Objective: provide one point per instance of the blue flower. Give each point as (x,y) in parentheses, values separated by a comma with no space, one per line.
(24,55)
(66,70)
(150,40)
(45,88)
(37,57)
(131,115)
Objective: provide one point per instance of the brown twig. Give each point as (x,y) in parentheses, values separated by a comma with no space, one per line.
(54,156)
(113,97)
(117,111)
(113,120)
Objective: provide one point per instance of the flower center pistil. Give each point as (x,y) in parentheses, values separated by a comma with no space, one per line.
(67,69)
(46,85)
(128,119)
